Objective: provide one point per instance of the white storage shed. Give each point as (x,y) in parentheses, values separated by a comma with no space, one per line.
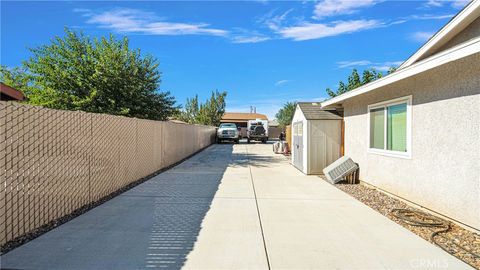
(316,137)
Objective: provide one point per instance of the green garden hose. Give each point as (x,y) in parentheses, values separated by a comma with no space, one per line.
(422,219)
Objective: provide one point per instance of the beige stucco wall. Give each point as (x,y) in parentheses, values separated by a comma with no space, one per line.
(443,173)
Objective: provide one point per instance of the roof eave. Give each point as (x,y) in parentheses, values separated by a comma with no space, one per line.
(444,57)
(453,27)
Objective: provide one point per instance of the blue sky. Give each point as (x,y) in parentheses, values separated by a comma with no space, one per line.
(264,53)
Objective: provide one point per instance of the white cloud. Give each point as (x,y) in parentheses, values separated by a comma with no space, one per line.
(347,64)
(326,8)
(380,66)
(299,29)
(421,36)
(242,35)
(422,17)
(249,39)
(306,31)
(281,82)
(274,22)
(385,66)
(460,3)
(454,3)
(263,2)
(84,11)
(434,3)
(430,17)
(137,21)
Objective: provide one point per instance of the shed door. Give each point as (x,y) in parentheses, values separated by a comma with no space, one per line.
(324,144)
(298,145)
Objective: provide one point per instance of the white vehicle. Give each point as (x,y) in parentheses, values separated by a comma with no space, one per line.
(228,132)
(257,130)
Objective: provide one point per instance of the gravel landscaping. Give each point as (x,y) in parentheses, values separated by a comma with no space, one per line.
(460,242)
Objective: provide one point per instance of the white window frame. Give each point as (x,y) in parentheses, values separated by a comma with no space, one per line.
(384,105)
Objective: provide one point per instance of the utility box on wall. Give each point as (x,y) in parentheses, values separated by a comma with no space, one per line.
(316,137)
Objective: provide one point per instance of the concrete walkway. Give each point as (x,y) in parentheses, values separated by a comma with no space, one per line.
(231,207)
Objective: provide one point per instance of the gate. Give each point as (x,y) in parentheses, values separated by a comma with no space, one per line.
(298,145)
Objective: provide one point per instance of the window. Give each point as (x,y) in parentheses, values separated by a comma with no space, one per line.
(389,127)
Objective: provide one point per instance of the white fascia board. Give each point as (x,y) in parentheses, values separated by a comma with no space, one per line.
(455,53)
(456,25)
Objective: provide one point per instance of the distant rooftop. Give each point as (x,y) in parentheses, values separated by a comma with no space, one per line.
(273,123)
(10,93)
(242,117)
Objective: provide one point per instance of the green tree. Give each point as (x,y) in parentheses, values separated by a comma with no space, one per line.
(19,78)
(354,81)
(212,111)
(285,114)
(330,92)
(15,77)
(391,70)
(208,113)
(370,75)
(102,75)
(191,110)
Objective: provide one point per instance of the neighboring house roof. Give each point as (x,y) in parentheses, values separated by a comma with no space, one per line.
(242,117)
(10,93)
(273,123)
(458,23)
(413,66)
(314,111)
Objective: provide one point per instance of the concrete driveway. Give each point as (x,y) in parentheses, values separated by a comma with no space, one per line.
(231,207)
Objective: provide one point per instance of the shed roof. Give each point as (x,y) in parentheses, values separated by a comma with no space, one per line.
(314,111)
(242,117)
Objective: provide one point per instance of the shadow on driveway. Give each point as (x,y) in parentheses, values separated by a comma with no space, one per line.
(153,225)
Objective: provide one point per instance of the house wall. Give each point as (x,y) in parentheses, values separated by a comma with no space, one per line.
(443,173)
